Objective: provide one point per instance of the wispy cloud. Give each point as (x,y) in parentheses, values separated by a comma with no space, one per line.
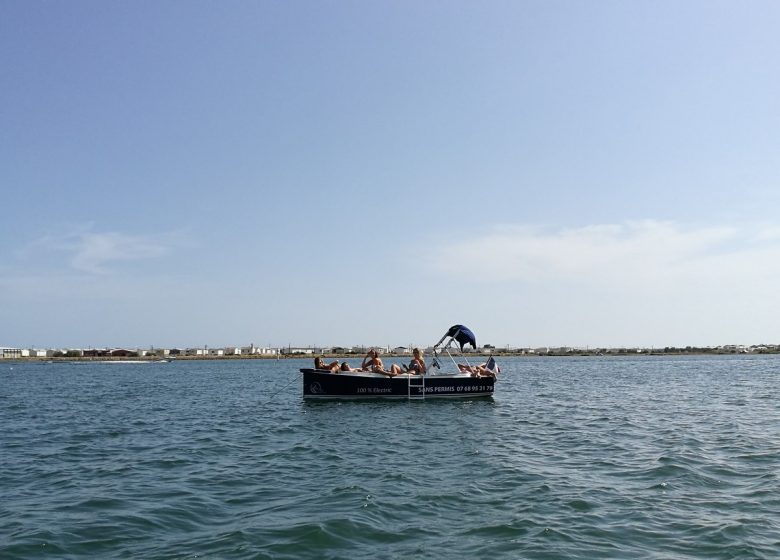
(648,282)
(96,252)
(650,254)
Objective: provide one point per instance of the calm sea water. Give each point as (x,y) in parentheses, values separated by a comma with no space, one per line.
(573,458)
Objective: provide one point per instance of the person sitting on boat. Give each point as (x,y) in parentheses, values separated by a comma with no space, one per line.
(477,371)
(319,363)
(346,367)
(417,365)
(372,362)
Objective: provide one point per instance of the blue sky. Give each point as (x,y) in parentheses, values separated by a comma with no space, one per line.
(315,173)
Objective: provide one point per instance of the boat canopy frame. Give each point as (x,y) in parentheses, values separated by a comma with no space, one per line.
(455,334)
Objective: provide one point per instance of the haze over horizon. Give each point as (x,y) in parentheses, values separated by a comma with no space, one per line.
(547,173)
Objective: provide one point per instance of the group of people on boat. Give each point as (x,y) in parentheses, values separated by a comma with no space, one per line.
(373,363)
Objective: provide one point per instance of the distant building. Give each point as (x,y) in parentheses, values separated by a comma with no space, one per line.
(253,350)
(6,352)
(292,350)
(96,353)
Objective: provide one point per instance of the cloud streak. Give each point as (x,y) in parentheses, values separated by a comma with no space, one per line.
(647,254)
(648,282)
(98,252)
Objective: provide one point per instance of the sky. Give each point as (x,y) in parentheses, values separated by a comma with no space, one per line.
(548,173)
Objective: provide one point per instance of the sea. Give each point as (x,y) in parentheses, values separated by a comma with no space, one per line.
(574,457)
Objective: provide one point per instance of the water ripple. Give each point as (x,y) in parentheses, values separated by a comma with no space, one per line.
(573,458)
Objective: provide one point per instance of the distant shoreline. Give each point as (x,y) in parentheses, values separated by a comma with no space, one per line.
(569,354)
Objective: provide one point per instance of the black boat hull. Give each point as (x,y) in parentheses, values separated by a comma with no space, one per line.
(318,384)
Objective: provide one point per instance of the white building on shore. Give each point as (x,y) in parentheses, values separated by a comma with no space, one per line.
(253,350)
(10,353)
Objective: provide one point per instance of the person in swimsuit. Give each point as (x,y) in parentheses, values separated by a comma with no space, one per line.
(319,363)
(372,362)
(477,371)
(417,365)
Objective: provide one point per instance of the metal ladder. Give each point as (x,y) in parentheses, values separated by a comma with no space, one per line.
(421,384)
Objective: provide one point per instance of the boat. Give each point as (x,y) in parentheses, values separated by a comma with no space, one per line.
(456,381)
